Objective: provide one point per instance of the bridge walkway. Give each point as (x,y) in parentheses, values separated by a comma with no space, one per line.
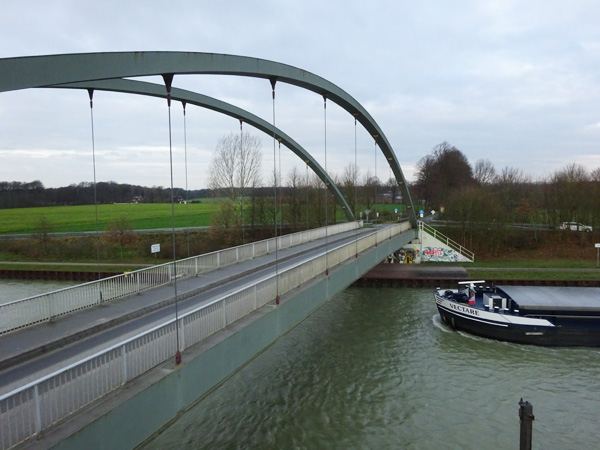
(35,351)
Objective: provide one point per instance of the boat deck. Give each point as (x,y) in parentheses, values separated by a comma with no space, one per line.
(554,298)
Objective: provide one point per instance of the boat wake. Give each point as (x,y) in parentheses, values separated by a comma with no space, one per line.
(437,322)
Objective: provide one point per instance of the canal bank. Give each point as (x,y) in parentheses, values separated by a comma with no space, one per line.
(77,271)
(442,274)
(60,275)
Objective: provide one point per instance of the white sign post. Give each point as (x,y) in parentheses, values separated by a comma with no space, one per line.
(597,255)
(155,248)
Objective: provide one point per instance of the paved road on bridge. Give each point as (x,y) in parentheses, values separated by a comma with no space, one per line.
(37,351)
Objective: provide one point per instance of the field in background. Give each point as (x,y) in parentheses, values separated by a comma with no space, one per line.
(142,216)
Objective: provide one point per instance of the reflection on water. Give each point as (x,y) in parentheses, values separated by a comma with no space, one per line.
(372,369)
(11,290)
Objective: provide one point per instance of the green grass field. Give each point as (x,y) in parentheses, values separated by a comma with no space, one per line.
(143,216)
(83,218)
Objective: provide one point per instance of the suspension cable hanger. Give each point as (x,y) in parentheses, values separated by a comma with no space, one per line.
(326,188)
(91,96)
(242,176)
(187,208)
(277,298)
(168,78)
(355,181)
(376,183)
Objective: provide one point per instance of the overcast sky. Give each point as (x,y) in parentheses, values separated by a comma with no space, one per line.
(514,82)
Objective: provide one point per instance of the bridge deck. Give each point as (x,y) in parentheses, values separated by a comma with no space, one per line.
(82,332)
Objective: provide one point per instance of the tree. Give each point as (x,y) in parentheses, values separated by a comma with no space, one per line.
(293,212)
(565,196)
(440,173)
(225,230)
(120,232)
(42,232)
(369,190)
(349,184)
(484,172)
(511,176)
(236,164)
(393,188)
(316,200)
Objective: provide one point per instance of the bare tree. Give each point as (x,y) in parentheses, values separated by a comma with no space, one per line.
(225,230)
(236,164)
(349,183)
(42,232)
(293,212)
(393,188)
(370,189)
(484,172)
(511,175)
(316,200)
(569,194)
(120,232)
(571,173)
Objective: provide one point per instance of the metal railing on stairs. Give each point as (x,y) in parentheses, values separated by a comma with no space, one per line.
(467,254)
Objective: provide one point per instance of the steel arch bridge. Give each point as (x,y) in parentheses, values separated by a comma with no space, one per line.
(106,71)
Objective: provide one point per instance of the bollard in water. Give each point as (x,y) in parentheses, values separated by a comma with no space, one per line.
(527,417)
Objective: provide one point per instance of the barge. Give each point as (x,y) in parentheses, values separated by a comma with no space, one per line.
(538,315)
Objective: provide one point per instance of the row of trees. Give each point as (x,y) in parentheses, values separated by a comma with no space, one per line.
(480,195)
(471,195)
(298,199)
(16,194)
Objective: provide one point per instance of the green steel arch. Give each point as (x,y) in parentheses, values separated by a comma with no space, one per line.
(53,70)
(193,98)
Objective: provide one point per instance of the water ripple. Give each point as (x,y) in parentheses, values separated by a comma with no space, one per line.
(375,368)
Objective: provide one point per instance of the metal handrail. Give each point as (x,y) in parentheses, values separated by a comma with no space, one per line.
(43,308)
(468,254)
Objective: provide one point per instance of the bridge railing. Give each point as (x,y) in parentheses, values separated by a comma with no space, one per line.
(45,307)
(28,410)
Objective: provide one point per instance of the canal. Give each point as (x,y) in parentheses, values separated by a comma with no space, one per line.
(375,368)
(11,290)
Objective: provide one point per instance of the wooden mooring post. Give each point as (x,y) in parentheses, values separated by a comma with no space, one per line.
(527,418)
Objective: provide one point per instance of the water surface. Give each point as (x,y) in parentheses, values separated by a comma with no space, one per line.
(375,369)
(11,290)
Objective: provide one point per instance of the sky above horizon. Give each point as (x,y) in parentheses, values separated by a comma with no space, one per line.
(517,83)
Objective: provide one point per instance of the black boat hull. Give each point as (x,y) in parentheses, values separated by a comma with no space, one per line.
(559,335)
